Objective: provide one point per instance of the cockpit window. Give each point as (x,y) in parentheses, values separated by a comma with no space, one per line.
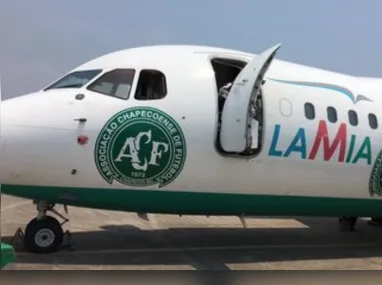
(151,85)
(116,83)
(76,79)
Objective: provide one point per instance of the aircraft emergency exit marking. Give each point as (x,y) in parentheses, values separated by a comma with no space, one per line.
(348,151)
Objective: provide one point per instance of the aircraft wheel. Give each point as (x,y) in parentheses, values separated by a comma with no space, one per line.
(347,224)
(43,236)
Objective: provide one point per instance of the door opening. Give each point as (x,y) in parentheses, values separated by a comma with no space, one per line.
(226,71)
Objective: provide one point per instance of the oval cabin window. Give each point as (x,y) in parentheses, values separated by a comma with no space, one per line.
(353,118)
(309,111)
(332,114)
(373,121)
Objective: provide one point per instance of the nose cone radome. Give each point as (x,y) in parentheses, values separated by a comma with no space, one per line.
(22,119)
(38,138)
(12,115)
(22,111)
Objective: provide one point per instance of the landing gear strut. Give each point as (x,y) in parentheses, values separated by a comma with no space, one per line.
(44,234)
(347,224)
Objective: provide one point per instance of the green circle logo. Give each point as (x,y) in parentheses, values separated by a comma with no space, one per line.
(140,146)
(375,183)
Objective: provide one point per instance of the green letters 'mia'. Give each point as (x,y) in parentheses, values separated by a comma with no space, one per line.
(140,146)
(375,183)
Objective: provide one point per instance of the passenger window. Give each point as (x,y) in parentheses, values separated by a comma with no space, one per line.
(151,85)
(332,114)
(116,83)
(373,121)
(353,118)
(309,111)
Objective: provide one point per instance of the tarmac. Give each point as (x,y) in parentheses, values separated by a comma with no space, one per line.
(123,241)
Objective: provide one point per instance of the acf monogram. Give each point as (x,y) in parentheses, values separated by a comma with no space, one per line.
(140,146)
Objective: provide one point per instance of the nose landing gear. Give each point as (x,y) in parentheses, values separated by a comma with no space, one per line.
(44,234)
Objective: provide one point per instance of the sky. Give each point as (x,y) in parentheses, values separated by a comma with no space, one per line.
(42,39)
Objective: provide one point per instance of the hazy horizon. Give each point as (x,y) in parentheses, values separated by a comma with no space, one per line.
(41,40)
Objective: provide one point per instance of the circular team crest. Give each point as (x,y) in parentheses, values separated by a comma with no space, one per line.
(375,183)
(140,146)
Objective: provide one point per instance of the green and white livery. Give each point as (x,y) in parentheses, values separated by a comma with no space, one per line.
(376,177)
(195,130)
(139,147)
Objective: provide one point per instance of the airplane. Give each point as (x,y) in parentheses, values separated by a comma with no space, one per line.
(146,130)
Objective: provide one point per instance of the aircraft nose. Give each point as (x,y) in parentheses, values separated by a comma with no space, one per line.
(10,138)
(23,110)
(18,140)
(35,130)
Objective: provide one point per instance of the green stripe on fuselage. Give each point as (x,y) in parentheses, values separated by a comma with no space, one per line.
(199,203)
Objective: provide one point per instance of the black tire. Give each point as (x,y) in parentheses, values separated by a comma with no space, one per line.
(377,221)
(37,230)
(347,224)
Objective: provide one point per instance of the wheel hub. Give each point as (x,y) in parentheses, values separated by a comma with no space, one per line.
(44,237)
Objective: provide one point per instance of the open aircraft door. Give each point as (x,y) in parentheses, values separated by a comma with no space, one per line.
(236,120)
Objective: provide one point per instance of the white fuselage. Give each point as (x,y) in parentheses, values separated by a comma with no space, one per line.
(39,146)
